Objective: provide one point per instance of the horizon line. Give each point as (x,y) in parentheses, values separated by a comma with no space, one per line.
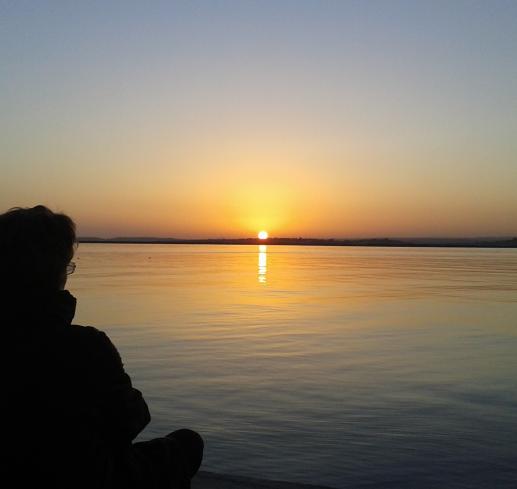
(500,243)
(318,238)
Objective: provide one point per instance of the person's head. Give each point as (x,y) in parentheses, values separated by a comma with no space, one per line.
(36,245)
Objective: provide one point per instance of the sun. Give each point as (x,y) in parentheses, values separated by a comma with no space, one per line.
(262,235)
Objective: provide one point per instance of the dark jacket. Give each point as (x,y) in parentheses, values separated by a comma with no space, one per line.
(69,411)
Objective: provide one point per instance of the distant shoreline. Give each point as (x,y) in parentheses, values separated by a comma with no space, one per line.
(380,242)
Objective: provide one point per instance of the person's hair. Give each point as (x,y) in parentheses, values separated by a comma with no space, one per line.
(36,245)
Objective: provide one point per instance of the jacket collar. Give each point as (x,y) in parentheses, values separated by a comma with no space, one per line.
(54,308)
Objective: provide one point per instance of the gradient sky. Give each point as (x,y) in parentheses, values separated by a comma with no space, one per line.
(305,118)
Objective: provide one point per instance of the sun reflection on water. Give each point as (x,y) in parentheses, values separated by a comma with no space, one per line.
(262,263)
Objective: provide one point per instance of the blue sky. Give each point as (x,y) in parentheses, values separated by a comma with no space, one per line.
(302,117)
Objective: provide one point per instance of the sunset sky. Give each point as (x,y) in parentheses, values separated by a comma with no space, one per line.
(303,118)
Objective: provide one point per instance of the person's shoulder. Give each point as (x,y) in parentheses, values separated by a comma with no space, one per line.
(96,341)
(89,335)
(86,332)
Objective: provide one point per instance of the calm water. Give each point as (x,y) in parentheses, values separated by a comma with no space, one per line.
(349,367)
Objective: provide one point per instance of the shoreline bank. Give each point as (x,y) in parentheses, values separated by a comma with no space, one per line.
(376,242)
(212,480)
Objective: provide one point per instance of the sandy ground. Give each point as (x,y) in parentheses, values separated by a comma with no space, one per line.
(209,480)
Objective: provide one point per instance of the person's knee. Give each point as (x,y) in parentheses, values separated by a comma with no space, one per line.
(192,445)
(188,438)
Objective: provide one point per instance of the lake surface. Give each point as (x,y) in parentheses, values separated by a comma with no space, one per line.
(346,367)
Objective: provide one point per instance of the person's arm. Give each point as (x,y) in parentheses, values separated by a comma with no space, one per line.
(124,412)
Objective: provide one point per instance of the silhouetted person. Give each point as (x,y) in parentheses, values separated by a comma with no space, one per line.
(69,413)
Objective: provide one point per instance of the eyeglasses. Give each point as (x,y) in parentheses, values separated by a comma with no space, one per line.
(70,268)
